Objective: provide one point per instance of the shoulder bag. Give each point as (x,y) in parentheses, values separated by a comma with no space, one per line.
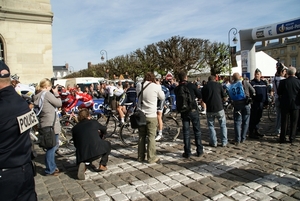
(47,136)
(138,118)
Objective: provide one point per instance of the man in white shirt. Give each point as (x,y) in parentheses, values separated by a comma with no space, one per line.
(147,102)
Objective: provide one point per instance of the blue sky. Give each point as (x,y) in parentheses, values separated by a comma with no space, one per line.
(81,28)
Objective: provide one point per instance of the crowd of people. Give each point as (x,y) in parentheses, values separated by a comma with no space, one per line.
(248,97)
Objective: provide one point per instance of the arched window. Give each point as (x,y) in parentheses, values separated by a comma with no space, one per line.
(2,57)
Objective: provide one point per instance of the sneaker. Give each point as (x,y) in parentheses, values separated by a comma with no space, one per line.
(158,137)
(199,154)
(259,134)
(157,160)
(213,145)
(81,171)
(203,112)
(184,155)
(167,111)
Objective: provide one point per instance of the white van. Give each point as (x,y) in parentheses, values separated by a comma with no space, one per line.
(61,82)
(82,82)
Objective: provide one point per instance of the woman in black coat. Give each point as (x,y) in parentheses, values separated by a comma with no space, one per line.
(87,137)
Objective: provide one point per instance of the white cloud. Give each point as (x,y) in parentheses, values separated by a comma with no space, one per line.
(82,28)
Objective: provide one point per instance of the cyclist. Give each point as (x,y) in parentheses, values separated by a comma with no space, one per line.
(24,90)
(122,100)
(160,109)
(71,100)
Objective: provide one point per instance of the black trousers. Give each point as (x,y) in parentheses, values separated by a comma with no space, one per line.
(104,157)
(255,116)
(17,184)
(292,124)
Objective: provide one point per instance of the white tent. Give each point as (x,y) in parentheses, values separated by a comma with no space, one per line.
(265,63)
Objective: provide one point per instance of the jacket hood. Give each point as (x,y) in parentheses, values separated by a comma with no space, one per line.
(37,97)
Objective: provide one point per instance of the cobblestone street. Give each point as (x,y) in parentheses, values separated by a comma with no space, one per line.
(255,170)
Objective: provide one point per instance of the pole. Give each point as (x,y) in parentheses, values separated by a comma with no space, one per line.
(235,40)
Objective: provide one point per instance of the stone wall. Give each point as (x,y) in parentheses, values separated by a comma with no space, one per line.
(26,31)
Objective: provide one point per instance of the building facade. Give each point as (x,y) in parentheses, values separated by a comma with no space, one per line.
(26,38)
(286,50)
(61,71)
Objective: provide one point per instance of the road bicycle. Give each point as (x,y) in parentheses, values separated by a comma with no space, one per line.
(171,127)
(108,117)
(228,109)
(66,145)
(130,136)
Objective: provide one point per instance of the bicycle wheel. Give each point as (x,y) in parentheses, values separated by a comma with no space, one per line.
(272,112)
(171,128)
(128,135)
(229,111)
(66,127)
(110,123)
(66,146)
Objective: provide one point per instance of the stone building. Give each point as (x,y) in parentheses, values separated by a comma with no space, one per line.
(285,49)
(26,38)
(61,71)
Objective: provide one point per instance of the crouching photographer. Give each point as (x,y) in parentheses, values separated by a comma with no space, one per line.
(89,143)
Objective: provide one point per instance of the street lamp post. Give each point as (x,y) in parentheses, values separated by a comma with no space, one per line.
(235,40)
(71,69)
(102,53)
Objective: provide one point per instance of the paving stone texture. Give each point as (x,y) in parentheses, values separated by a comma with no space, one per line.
(255,170)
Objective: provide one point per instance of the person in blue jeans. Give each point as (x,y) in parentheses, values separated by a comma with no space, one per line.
(240,92)
(190,117)
(49,117)
(213,96)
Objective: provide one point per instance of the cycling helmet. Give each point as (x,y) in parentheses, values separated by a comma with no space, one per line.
(14,77)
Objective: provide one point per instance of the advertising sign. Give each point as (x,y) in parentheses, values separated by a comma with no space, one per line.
(245,61)
(288,27)
(276,30)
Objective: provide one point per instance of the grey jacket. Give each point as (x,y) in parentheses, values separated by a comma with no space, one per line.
(46,117)
(249,90)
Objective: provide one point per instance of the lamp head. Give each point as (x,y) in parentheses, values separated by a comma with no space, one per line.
(235,40)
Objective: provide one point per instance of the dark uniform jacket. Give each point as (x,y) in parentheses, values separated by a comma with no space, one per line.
(15,147)
(261,91)
(87,140)
(289,93)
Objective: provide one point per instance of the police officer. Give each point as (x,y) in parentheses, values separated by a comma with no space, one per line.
(16,170)
(259,101)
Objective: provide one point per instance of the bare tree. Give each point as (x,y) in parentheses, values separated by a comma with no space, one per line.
(216,57)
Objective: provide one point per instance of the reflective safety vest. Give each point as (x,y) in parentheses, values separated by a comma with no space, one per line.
(236,91)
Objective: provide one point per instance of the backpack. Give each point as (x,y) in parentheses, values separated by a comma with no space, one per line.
(184,99)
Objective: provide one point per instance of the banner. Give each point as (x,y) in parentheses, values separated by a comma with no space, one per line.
(245,61)
(233,56)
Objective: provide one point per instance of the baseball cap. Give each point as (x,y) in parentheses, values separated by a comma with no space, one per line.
(3,66)
(257,71)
